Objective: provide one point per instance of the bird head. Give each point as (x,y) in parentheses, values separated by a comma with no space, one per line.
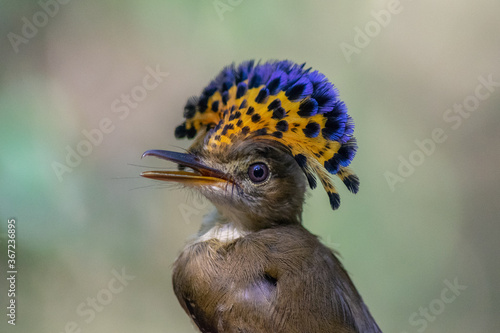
(263,133)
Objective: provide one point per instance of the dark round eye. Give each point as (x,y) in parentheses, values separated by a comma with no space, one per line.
(258,172)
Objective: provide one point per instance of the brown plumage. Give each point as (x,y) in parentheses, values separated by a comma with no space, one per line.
(253,267)
(279,279)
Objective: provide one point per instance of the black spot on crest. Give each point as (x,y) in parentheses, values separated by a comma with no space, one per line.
(227,128)
(332,166)
(277,134)
(256,118)
(331,131)
(242,90)
(180,131)
(190,108)
(279,113)
(227,85)
(202,104)
(191,133)
(282,126)
(334,200)
(273,86)
(352,183)
(311,180)
(243,104)
(262,96)
(295,92)
(235,115)
(261,131)
(301,160)
(308,108)
(209,91)
(225,97)
(215,106)
(311,130)
(255,81)
(274,104)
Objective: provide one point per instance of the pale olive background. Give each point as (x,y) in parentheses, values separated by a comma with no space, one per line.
(399,246)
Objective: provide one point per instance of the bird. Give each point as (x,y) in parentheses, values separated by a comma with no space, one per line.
(264,134)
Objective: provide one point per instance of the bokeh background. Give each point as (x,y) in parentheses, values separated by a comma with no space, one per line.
(403,244)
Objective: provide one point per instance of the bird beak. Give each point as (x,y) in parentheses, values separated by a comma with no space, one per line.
(202,175)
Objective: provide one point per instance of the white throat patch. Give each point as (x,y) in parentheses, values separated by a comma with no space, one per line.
(225,233)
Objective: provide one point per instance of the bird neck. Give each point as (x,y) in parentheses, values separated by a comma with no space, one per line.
(257,218)
(218,227)
(226,225)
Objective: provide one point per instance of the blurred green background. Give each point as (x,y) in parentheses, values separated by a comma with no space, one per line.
(64,66)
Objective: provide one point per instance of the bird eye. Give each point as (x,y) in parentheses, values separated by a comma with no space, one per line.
(258,172)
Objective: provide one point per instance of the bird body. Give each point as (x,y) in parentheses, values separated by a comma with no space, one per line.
(265,132)
(245,284)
